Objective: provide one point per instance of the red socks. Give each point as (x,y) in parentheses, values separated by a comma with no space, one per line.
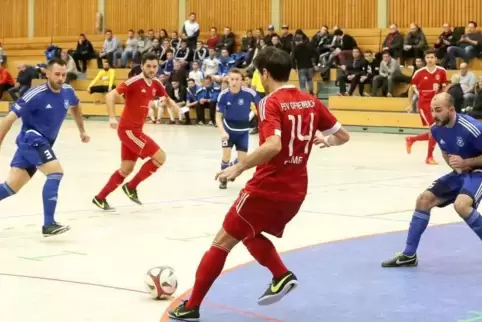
(262,249)
(431,146)
(115,180)
(209,268)
(147,169)
(420,137)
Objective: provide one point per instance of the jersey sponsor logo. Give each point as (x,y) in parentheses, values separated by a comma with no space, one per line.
(460,141)
(48,107)
(240,101)
(442,141)
(154,91)
(437,77)
(66,104)
(143,90)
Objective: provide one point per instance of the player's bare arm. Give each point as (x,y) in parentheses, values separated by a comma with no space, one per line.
(219,122)
(110,99)
(6,125)
(411,92)
(79,121)
(340,137)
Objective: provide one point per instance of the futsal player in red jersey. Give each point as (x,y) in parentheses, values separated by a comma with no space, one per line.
(288,123)
(137,91)
(429,81)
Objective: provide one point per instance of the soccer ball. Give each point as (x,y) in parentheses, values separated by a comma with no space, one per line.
(161,282)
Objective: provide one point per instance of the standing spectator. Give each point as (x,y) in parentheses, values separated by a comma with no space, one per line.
(214,38)
(468,47)
(211,64)
(353,73)
(144,44)
(111,46)
(200,53)
(414,44)
(286,39)
(304,56)
(271,33)
(393,43)
(444,41)
(467,82)
(226,41)
(24,80)
(389,74)
(191,29)
(71,68)
(83,53)
(104,82)
(6,81)
(196,74)
(129,49)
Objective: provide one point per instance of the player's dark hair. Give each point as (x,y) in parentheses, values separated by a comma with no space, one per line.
(148,56)
(429,52)
(56,61)
(276,62)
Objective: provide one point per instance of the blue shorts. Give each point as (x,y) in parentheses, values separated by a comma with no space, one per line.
(448,187)
(238,139)
(33,151)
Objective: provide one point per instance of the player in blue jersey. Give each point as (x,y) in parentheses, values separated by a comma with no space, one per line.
(460,139)
(42,111)
(233,118)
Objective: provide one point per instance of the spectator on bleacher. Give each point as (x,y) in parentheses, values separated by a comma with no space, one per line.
(163,35)
(6,80)
(275,42)
(184,53)
(166,45)
(467,82)
(71,68)
(177,92)
(419,63)
(129,49)
(194,94)
(286,39)
(475,109)
(210,65)
(389,75)
(342,45)
(24,80)
(111,46)
(226,63)
(135,70)
(321,41)
(151,35)
(393,42)
(373,67)
(175,40)
(214,38)
(248,41)
(3,56)
(208,100)
(104,82)
(144,44)
(179,73)
(445,40)
(304,59)
(455,90)
(414,44)
(468,47)
(52,51)
(226,41)
(167,66)
(268,39)
(156,48)
(196,74)
(200,53)
(83,53)
(192,30)
(352,73)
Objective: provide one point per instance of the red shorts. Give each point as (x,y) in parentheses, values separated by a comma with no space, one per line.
(426,115)
(135,144)
(251,215)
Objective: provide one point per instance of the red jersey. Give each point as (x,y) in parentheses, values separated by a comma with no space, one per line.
(428,83)
(295,116)
(137,95)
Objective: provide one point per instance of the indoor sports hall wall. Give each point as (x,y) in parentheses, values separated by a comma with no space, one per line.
(71,17)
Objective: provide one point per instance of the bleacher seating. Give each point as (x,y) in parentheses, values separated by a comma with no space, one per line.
(359,111)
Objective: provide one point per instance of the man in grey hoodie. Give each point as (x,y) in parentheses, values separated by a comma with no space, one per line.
(389,75)
(144,44)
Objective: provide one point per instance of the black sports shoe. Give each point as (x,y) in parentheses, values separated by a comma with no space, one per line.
(54,229)
(102,204)
(401,260)
(278,289)
(182,313)
(223,184)
(131,193)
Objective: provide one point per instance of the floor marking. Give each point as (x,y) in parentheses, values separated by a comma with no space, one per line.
(352,216)
(40,258)
(188,239)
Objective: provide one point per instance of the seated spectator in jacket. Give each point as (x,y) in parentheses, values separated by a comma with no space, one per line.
(129,49)
(184,53)
(167,66)
(268,38)
(414,44)
(352,73)
(156,48)
(226,41)
(467,82)
(457,93)
(166,45)
(286,38)
(373,64)
(175,40)
(179,73)
(24,80)
(200,53)
(6,81)
(144,44)
(177,92)
(275,42)
(52,51)
(393,42)
(194,94)
(445,40)
(110,47)
(321,41)
(71,68)
(210,65)
(104,82)
(342,45)
(304,60)
(248,42)
(389,75)
(196,73)
(468,47)
(209,99)
(83,53)
(214,38)
(226,63)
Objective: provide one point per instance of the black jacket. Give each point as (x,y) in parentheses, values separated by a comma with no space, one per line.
(445,36)
(226,42)
(85,48)
(180,75)
(357,67)
(248,43)
(304,56)
(287,41)
(322,43)
(182,93)
(347,43)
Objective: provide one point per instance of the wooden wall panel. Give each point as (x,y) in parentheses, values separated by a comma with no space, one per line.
(64,17)
(239,15)
(13,20)
(434,13)
(311,14)
(122,15)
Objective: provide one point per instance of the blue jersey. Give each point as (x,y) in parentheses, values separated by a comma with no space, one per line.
(463,139)
(43,111)
(236,108)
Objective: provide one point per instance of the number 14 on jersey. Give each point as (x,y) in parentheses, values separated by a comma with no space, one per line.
(297,135)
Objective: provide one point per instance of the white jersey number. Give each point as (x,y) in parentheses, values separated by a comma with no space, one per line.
(296,123)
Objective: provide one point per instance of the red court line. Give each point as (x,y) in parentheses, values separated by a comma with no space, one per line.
(178,300)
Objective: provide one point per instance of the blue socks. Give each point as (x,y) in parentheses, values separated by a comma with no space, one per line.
(418,225)
(475,222)
(5,191)
(49,195)
(234,162)
(224,165)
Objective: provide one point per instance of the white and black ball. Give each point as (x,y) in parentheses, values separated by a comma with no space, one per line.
(161,282)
